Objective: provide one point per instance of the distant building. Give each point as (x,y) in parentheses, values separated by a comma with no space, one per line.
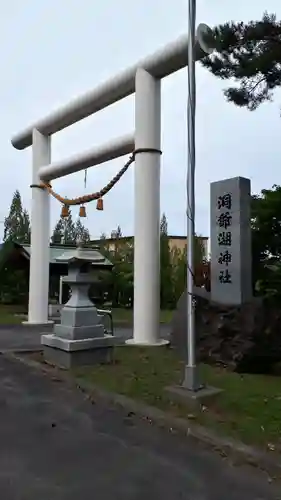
(177,242)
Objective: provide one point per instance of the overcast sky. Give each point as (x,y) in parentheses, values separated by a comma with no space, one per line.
(52,51)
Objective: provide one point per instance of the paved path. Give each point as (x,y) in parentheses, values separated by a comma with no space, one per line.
(55,444)
(14,337)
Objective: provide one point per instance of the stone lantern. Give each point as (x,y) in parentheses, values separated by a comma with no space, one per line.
(80,337)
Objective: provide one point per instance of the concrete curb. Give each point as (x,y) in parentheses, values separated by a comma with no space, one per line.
(238,452)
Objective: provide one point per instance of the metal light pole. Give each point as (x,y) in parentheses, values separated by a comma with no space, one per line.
(190,381)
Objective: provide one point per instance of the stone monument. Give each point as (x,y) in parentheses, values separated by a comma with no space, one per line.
(231,252)
(231,276)
(79,338)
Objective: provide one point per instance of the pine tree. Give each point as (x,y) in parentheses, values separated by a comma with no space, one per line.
(249,54)
(67,232)
(118,244)
(116,233)
(64,231)
(26,226)
(164,226)
(17,224)
(58,233)
(81,232)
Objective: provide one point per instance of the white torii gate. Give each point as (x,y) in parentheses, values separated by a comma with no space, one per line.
(144,78)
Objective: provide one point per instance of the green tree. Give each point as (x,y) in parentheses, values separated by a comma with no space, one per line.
(122,275)
(64,232)
(166,279)
(58,233)
(120,281)
(173,270)
(249,54)
(116,234)
(178,260)
(266,230)
(69,233)
(81,232)
(179,267)
(26,226)
(17,224)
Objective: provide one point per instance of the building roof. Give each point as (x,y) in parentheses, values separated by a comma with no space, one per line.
(56,251)
(129,238)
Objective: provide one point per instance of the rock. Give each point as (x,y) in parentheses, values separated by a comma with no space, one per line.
(242,338)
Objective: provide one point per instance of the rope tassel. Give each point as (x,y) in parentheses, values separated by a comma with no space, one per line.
(82,211)
(100,204)
(65,212)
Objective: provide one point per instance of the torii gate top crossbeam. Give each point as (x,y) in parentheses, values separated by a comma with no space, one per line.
(164,62)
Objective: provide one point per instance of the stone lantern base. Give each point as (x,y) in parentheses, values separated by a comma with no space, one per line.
(66,353)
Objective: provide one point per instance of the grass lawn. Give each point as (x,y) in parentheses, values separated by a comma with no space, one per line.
(120,316)
(11,315)
(249,408)
(125,316)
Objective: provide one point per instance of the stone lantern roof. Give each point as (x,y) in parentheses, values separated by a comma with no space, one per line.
(84,254)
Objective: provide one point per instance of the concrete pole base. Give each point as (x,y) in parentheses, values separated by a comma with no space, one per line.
(156,343)
(191,379)
(191,397)
(37,323)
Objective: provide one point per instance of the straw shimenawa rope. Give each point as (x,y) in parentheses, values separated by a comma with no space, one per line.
(81,200)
